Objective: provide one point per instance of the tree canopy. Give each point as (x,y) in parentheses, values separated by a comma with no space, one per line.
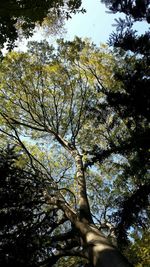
(59,106)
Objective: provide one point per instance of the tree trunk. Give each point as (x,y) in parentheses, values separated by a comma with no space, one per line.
(83,203)
(100,251)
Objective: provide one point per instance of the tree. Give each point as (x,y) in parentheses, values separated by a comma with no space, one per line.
(22,16)
(45,97)
(131,102)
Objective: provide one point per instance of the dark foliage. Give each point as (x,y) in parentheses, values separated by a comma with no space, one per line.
(27,221)
(129,212)
(125,37)
(139,9)
(29,12)
(24,225)
(129,40)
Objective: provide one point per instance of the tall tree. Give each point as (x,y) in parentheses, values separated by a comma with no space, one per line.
(45,97)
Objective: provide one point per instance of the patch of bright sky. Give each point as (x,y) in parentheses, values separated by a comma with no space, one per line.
(95,24)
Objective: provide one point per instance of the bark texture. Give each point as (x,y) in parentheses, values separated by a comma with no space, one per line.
(100,251)
(84,208)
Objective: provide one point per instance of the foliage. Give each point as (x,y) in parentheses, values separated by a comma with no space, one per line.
(139,251)
(125,36)
(21,17)
(137,9)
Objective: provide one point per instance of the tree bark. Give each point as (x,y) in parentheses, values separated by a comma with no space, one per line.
(100,251)
(83,203)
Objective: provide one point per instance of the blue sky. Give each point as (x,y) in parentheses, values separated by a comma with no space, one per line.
(95,23)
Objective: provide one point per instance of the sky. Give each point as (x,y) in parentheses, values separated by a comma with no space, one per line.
(95,24)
